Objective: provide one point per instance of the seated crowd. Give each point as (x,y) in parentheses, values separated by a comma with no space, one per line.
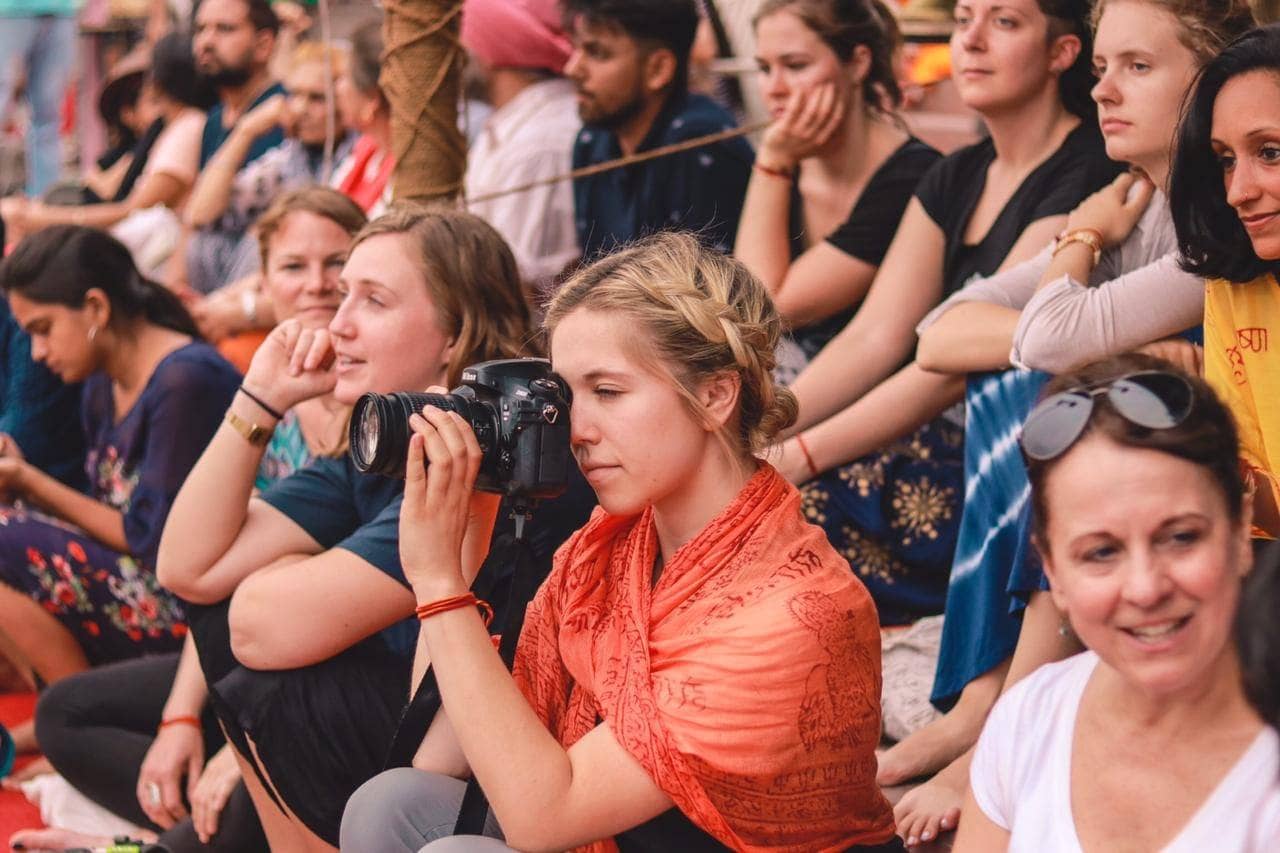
(886,467)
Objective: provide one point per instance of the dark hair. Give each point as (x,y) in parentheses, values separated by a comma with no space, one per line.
(671,24)
(843,25)
(262,16)
(1258,634)
(173,72)
(59,265)
(365,63)
(1211,238)
(1206,437)
(1071,17)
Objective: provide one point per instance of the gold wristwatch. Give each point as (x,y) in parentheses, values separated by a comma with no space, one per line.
(253,433)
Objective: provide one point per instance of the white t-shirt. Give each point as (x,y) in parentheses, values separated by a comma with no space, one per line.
(1021,774)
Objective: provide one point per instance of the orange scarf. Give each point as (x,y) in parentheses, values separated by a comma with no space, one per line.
(747,681)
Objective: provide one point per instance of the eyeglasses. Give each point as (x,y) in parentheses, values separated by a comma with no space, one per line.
(1153,399)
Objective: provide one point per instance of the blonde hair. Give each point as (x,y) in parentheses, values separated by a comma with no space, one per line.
(1205,27)
(705,315)
(319,200)
(472,278)
(314,51)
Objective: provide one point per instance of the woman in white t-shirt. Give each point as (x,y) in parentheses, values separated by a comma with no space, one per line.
(1146,741)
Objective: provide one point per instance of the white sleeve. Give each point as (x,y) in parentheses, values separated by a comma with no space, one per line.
(992,774)
(1066,323)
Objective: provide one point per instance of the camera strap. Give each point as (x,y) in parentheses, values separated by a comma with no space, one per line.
(512,554)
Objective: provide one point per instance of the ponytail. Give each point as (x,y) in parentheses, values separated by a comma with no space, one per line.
(60,265)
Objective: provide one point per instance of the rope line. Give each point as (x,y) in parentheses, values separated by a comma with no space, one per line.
(622,162)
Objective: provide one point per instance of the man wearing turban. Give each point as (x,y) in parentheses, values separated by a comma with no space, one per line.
(520,51)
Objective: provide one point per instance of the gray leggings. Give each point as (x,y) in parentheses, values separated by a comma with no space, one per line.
(407,811)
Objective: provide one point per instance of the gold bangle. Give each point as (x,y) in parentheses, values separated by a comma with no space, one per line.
(253,433)
(1090,237)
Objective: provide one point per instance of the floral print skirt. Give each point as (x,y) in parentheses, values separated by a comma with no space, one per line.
(111,604)
(894,515)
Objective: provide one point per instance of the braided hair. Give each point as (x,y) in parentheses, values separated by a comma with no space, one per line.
(705,315)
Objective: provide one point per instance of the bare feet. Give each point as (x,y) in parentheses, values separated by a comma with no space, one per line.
(933,808)
(39,767)
(945,739)
(55,839)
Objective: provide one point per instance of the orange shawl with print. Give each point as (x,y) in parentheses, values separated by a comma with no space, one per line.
(746,682)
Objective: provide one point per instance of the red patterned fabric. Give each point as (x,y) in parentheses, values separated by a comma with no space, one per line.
(747,681)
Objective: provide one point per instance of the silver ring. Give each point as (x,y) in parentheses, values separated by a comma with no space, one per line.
(153,791)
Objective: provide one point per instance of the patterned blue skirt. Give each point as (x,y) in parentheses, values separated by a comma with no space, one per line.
(894,515)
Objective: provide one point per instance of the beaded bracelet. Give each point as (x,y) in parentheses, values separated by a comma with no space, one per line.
(456,602)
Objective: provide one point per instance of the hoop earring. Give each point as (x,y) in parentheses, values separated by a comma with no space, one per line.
(93,333)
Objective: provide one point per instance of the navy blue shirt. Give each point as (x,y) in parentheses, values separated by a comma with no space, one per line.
(37,409)
(700,190)
(341,508)
(215,134)
(137,463)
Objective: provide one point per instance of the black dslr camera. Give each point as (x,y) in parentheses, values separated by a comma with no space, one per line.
(518,409)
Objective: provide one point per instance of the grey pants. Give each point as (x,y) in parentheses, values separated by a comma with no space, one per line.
(407,811)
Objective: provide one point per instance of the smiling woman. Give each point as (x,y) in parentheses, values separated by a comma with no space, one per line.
(1226,207)
(425,292)
(1146,565)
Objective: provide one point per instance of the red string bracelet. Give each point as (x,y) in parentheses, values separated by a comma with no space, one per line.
(181,721)
(772,172)
(808,459)
(456,602)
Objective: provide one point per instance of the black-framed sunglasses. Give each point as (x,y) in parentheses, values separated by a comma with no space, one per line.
(1154,399)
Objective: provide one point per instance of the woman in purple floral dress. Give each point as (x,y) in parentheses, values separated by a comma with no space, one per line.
(77,579)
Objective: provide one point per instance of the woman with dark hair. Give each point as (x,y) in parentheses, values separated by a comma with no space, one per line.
(77,571)
(181,97)
(877,452)
(1225,196)
(834,173)
(363,174)
(1066,306)
(1146,563)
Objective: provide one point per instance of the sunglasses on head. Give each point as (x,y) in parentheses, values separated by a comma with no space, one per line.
(1153,399)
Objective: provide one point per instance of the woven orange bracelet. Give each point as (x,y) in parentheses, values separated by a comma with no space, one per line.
(457,602)
(181,721)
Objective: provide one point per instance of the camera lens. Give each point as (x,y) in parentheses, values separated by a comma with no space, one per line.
(379,431)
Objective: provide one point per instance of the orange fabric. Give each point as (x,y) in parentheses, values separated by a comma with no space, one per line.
(239,348)
(746,682)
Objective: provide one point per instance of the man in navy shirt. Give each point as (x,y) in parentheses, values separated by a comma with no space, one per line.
(630,67)
(233,43)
